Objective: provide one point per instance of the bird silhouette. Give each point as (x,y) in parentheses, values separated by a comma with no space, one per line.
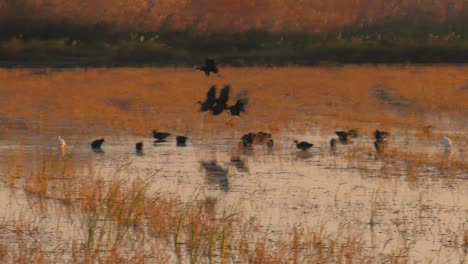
(181,141)
(209,67)
(262,137)
(248,139)
(303,145)
(160,136)
(209,101)
(96,144)
(381,136)
(139,146)
(221,102)
(346,136)
(270,143)
(238,107)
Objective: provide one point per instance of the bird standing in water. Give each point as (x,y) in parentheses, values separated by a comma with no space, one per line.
(96,144)
(447,142)
(304,145)
(61,143)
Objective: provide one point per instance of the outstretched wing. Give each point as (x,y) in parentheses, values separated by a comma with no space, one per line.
(242,100)
(224,95)
(241,103)
(211,94)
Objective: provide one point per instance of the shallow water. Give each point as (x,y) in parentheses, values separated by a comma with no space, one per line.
(422,207)
(284,186)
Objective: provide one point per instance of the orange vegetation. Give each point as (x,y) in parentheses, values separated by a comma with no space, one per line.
(138,100)
(272,15)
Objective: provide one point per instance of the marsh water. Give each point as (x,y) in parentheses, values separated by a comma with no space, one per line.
(350,188)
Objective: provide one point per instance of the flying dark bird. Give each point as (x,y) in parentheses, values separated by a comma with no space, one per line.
(381,136)
(96,144)
(221,102)
(160,136)
(208,67)
(303,145)
(181,141)
(238,107)
(209,101)
(139,146)
(346,136)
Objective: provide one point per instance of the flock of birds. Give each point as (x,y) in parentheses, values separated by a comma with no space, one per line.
(217,104)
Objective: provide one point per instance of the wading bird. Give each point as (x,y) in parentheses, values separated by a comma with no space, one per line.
(160,136)
(346,136)
(446,142)
(139,146)
(381,136)
(270,143)
(303,145)
(61,143)
(208,67)
(96,144)
(181,141)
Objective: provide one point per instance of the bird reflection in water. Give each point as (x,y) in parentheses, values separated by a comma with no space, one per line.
(239,163)
(215,174)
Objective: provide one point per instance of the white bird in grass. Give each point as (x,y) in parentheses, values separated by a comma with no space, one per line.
(446,141)
(61,143)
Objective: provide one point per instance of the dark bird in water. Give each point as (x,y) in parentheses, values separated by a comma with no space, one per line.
(209,101)
(181,141)
(139,146)
(381,136)
(160,136)
(346,136)
(303,145)
(248,139)
(262,137)
(209,67)
(333,142)
(270,143)
(96,144)
(221,102)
